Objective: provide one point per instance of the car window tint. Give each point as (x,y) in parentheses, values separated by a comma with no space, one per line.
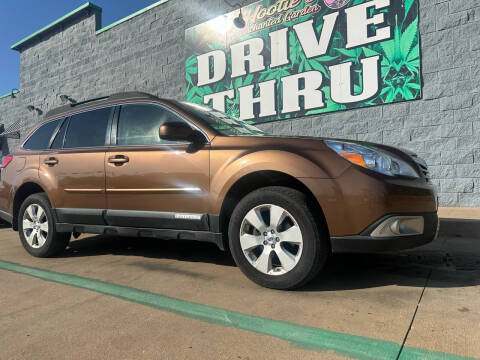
(139,124)
(41,137)
(58,141)
(88,129)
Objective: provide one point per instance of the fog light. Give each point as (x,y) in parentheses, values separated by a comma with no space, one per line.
(400,226)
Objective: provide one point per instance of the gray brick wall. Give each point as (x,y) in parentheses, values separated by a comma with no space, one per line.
(146,53)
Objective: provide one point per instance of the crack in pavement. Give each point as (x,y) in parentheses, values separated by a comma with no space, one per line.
(414,315)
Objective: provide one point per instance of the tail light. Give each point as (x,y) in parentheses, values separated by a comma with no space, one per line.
(7,160)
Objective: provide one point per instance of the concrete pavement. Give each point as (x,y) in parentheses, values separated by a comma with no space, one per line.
(373,296)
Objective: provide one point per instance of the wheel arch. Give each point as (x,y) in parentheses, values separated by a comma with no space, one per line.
(260,179)
(24,191)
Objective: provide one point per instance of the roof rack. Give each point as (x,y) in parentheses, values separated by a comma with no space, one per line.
(101,100)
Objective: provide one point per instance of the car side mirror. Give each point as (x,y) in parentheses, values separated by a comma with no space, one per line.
(174,131)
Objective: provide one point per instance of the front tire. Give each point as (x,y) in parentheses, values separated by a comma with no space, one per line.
(36,227)
(275,239)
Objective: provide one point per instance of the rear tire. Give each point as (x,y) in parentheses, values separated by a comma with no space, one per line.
(275,239)
(36,227)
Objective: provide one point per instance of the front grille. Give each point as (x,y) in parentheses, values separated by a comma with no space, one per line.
(422,164)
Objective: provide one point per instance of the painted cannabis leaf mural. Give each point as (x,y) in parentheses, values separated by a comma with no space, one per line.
(400,77)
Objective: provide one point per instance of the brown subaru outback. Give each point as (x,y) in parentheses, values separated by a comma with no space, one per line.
(134,165)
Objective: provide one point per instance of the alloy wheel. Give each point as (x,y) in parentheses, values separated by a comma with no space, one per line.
(35,226)
(271,239)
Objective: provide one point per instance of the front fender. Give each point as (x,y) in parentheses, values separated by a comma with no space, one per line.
(225,175)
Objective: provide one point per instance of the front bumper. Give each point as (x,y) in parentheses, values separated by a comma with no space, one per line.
(359,197)
(364,242)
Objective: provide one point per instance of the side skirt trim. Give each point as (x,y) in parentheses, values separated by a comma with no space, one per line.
(77,215)
(134,219)
(164,234)
(157,219)
(6,216)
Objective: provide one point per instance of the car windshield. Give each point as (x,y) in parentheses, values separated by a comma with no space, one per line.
(223,123)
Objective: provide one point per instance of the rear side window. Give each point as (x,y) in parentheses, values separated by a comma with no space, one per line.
(88,129)
(40,139)
(139,124)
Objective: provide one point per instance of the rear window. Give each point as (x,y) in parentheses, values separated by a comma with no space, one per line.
(88,129)
(40,139)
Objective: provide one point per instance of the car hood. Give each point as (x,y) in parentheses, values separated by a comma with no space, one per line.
(307,144)
(313,142)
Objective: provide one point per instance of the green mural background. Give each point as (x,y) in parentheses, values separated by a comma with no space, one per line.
(400,57)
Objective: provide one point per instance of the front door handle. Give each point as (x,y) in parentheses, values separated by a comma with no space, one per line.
(50,161)
(118,160)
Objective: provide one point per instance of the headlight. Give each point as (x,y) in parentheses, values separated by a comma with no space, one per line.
(372,158)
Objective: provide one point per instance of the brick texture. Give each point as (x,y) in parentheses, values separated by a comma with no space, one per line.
(146,53)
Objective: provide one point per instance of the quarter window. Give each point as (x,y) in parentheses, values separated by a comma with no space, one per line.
(139,124)
(41,137)
(88,129)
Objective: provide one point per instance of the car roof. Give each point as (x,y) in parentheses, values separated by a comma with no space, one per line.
(124,96)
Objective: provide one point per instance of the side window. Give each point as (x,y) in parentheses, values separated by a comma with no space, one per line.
(139,124)
(88,129)
(58,141)
(40,139)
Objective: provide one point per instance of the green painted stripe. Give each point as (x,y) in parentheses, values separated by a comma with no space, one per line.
(56,22)
(139,12)
(354,346)
(9,94)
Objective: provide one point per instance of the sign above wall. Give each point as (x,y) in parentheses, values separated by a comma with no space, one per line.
(303,57)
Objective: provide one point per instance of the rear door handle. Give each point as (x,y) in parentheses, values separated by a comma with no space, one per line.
(50,161)
(118,160)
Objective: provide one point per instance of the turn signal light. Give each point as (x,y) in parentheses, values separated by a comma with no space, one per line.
(6,160)
(354,158)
